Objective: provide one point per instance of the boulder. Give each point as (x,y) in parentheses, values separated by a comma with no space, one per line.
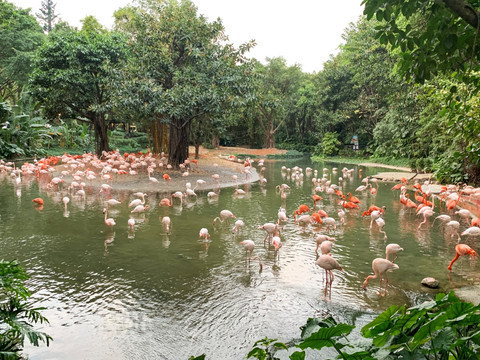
(430,282)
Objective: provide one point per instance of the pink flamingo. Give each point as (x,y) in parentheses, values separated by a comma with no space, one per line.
(224,215)
(109,222)
(380,267)
(461,249)
(131,223)
(321,239)
(249,245)
(392,249)
(203,234)
(166,222)
(271,230)
(328,263)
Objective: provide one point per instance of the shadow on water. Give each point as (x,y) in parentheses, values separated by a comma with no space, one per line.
(168,294)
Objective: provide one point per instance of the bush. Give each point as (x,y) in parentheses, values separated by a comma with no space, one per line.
(16,313)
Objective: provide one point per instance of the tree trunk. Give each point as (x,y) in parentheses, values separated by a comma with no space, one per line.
(156,139)
(197,150)
(164,136)
(178,146)
(269,140)
(215,141)
(100,127)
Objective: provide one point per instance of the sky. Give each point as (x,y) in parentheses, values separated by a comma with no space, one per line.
(304,32)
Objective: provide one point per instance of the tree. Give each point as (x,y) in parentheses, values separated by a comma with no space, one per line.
(277,87)
(431,36)
(186,68)
(20,36)
(47,15)
(436,39)
(73,77)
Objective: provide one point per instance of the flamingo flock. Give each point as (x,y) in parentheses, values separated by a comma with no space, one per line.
(80,170)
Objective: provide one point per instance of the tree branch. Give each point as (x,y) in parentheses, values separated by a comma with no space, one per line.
(464,10)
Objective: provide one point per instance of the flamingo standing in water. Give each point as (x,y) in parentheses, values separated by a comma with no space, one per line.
(249,245)
(461,249)
(224,215)
(166,224)
(239,224)
(271,230)
(328,263)
(392,249)
(108,221)
(203,234)
(321,239)
(131,224)
(380,267)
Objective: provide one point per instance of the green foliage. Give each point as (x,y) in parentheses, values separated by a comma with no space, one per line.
(74,74)
(16,314)
(132,143)
(20,36)
(444,328)
(329,145)
(22,132)
(429,36)
(265,349)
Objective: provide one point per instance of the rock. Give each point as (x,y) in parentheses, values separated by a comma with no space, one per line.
(430,282)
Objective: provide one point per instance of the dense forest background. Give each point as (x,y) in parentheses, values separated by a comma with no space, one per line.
(404,85)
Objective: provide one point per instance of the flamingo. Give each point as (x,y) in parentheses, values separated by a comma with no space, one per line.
(321,239)
(381,223)
(374,215)
(239,224)
(178,195)
(166,202)
(270,229)
(203,234)
(426,212)
(249,245)
(392,249)
(328,263)
(462,249)
(380,267)
(301,209)
(131,223)
(330,222)
(277,242)
(316,198)
(109,222)
(353,199)
(224,215)
(282,216)
(137,202)
(341,215)
(166,222)
(111,202)
(38,201)
(139,208)
(65,201)
(471,231)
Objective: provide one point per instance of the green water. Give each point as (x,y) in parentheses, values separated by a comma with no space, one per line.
(117,294)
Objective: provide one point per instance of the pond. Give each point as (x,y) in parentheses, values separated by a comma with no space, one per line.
(112,293)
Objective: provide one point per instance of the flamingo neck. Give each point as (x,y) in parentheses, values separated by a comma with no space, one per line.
(457,255)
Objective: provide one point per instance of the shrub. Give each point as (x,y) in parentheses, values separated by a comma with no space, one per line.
(16,313)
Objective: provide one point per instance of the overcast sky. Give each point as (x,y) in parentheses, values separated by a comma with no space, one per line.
(304,32)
